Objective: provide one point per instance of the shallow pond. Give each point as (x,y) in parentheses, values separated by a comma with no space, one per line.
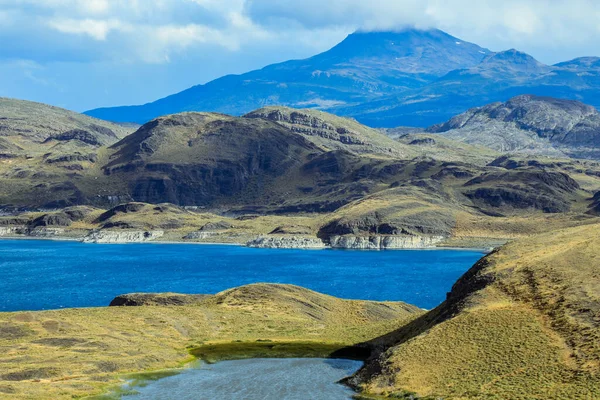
(256,379)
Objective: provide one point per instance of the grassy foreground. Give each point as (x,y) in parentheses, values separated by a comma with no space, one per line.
(74,353)
(523,323)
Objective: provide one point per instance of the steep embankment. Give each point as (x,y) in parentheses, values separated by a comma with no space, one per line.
(522,323)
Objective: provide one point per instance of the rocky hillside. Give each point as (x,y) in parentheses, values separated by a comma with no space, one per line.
(529,124)
(331,132)
(346,183)
(384,79)
(524,322)
(35,128)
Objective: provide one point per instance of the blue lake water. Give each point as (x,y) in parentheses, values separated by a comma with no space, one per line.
(38,275)
(256,379)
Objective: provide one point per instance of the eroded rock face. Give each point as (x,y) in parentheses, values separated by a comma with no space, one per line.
(198,235)
(82,136)
(307,124)
(529,124)
(287,242)
(45,232)
(8,230)
(216,226)
(122,236)
(57,219)
(291,230)
(384,242)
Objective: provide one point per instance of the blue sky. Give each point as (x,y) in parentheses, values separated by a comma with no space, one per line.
(82,54)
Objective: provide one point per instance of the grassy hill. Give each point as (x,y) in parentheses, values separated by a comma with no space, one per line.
(522,323)
(67,354)
(36,128)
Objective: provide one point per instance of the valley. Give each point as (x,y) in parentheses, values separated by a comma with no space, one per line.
(403,140)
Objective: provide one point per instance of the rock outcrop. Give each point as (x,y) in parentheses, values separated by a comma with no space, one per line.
(8,230)
(331,132)
(199,235)
(287,242)
(45,232)
(105,236)
(384,242)
(53,219)
(216,226)
(529,124)
(156,299)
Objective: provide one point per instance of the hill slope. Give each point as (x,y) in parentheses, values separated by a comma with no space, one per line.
(522,323)
(28,126)
(529,124)
(279,161)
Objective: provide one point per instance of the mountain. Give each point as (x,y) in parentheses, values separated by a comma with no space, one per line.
(522,323)
(498,77)
(529,124)
(581,64)
(384,79)
(364,67)
(291,170)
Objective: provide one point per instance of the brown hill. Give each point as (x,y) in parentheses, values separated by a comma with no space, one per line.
(522,323)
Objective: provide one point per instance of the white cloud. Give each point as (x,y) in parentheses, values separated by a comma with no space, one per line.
(96,29)
(191,41)
(156,30)
(537,25)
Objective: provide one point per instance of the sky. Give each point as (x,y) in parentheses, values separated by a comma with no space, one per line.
(83,54)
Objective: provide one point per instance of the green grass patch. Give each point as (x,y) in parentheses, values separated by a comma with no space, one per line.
(216,352)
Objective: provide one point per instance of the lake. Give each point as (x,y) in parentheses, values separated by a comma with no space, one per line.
(40,275)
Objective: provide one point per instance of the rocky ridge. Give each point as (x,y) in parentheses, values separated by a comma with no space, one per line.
(529,124)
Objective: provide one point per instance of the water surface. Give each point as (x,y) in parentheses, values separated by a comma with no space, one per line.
(256,379)
(38,275)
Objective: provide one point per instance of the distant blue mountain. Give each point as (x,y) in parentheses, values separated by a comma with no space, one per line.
(384,79)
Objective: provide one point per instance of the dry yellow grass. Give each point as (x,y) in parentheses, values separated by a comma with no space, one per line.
(72,353)
(522,324)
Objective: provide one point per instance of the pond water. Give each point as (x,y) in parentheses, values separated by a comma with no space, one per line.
(256,379)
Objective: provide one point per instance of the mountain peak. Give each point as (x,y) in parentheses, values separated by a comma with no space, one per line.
(429,51)
(513,60)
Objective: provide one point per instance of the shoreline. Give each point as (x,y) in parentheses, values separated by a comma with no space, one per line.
(484,250)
